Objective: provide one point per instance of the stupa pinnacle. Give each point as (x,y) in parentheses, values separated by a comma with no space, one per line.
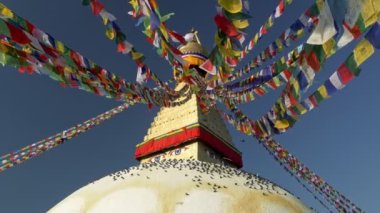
(185,132)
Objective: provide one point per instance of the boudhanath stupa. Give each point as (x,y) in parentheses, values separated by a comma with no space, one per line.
(188,163)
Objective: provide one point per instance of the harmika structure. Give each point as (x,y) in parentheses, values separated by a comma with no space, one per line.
(188,163)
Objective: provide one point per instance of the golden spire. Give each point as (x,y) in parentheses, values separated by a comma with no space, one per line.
(193,45)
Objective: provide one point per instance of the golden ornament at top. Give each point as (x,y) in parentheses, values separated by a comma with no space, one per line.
(193,45)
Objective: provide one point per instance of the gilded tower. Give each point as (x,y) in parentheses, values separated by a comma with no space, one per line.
(185,132)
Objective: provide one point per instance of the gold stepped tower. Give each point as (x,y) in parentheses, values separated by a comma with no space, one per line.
(185,132)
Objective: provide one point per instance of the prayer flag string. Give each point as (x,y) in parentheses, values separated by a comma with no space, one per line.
(19,156)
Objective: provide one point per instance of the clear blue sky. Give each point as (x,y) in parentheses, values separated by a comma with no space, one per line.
(339,140)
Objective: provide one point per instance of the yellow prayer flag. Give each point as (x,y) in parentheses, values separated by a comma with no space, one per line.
(301,109)
(68,69)
(270,21)
(376,5)
(256,38)
(370,12)
(110,33)
(296,86)
(279,44)
(281,106)
(300,32)
(240,24)
(323,91)
(134,3)
(5,11)
(232,6)
(60,46)
(27,49)
(328,47)
(217,39)
(164,32)
(281,124)
(105,20)
(363,51)
(136,55)
(3,58)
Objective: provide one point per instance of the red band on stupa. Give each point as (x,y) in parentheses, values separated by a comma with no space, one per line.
(197,133)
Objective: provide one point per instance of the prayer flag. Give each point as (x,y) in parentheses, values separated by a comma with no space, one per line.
(352,65)
(329,47)
(5,12)
(225,26)
(143,74)
(232,6)
(336,82)
(281,124)
(18,35)
(176,37)
(279,9)
(346,38)
(323,91)
(373,35)
(209,67)
(325,28)
(329,87)
(240,24)
(345,74)
(353,11)
(363,51)
(4,29)
(96,7)
(301,78)
(369,13)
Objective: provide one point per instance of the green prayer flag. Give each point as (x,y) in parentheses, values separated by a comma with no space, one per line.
(4,28)
(318,97)
(360,23)
(319,51)
(352,66)
(21,23)
(313,10)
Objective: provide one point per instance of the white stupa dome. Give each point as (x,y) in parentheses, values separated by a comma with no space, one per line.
(181,186)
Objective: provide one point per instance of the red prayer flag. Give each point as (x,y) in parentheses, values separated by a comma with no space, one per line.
(259,91)
(30,69)
(21,69)
(280,9)
(30,26)
(121,47)
(209,67)
(313,62)
(345,74)
(355,31)
(177,37)
(225,26)
(96,7)
(313,101)
(232,61)
(18,35)
(49,50)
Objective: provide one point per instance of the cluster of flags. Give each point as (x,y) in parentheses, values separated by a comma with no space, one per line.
(156,30)
(297,30)
(31,50)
